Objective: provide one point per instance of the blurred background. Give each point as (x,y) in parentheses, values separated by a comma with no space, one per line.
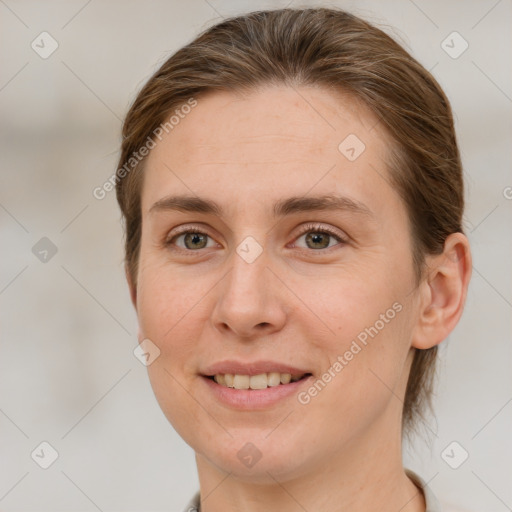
(68,376)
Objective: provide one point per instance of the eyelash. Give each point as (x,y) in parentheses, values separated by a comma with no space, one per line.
(315,228)
(318,228)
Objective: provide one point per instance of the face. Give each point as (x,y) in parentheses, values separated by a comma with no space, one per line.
(302,267)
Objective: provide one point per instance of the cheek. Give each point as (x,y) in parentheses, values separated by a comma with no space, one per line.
(367,352)
(168,309)
(179,406)
(353,305)
(165,300)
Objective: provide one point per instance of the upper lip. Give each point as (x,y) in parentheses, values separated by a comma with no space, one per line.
(251,368)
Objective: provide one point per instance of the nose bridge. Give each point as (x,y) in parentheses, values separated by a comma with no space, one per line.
(246,282)
(247,297)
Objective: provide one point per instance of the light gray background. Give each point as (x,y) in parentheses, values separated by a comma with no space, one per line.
(67,372)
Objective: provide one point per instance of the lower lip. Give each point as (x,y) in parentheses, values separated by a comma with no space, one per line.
(254,399)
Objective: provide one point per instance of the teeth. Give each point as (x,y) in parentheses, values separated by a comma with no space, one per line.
(258,381)
(261,381)
(273,379)
(285,378)
(241,381)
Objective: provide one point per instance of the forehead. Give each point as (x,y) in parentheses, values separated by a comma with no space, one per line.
(267,143)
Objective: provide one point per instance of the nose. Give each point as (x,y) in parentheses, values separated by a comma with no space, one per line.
(250,302)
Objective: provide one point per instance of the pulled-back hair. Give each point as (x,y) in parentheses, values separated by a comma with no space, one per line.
(336,50)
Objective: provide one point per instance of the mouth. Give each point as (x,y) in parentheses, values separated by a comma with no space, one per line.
(253,385)
(256,382)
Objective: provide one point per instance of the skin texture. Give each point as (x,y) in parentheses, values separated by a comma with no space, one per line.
(296,303)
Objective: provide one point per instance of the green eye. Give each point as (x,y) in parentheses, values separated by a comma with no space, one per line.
(192,240)
(319,237)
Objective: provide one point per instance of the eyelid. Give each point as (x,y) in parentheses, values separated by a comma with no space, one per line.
(187,228)
(320,228)
(309,227)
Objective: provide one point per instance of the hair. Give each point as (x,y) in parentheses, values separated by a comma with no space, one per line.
(337,50)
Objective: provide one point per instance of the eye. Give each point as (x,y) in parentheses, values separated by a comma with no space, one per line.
(192,239)
(319,237)
(316,237)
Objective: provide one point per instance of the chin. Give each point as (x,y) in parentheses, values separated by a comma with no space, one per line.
(252,457)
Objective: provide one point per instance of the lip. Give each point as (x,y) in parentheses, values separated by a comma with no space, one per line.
(254,399)
(251,368)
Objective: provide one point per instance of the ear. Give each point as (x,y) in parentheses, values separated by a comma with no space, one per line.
(131,286)
(443,292)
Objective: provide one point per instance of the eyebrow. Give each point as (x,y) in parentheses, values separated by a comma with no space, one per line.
(291,205)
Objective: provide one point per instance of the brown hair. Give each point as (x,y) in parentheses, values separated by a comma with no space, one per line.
(335,49)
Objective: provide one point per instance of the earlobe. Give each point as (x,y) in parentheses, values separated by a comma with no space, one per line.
(443,292)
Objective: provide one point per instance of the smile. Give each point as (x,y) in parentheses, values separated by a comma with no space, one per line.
(260,381)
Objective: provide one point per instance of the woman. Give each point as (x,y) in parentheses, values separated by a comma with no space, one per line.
(292,194)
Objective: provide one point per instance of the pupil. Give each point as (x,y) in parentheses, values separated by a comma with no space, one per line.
(317,239)
(195,238)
